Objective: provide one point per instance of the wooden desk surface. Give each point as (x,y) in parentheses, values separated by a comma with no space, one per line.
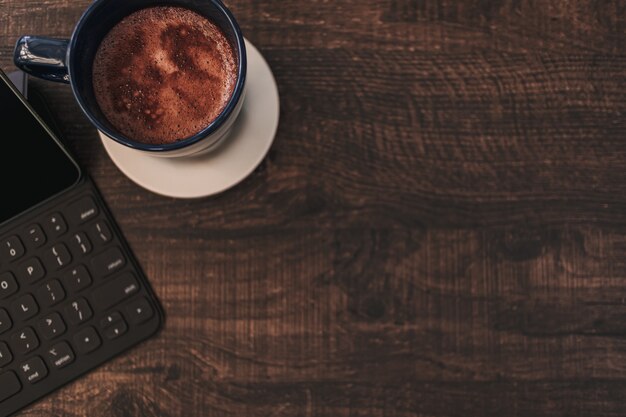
(439,229)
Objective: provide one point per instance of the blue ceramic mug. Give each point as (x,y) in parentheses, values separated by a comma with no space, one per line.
(71,61)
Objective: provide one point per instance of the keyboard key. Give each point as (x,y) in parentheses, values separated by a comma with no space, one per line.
(139,311)
(81,211)
(107,262)
(5,355)
(100,232)
(5,321)
(8,285)
(33,370)
(78,311)
(10,385)
(24,307)
(30,271)
(50,294)
(51,326)
(80,244)
(87,340)
(24,341)
(34,237)
(77,279)
(55,225)
(115,291)
(57,257)
(60,355)
(11,249)
(109,319)
(116,330)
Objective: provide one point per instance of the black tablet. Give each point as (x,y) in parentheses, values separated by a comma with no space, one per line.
(72,295)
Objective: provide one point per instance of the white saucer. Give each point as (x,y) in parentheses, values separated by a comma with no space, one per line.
(226,166)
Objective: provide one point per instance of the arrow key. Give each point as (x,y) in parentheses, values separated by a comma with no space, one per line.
(139,311)
(87,340)
(110,319)
(116,330)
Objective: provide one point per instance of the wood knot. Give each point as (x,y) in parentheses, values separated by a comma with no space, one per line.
(129,403)
(173,373)
(373,308)
(524,244)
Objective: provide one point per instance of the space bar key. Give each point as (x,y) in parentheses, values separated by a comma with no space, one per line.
(115,291)
(10,385)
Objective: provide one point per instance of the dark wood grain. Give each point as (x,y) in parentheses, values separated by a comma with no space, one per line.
(439,229)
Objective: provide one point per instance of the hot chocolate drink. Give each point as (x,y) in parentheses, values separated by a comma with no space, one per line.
(163,74)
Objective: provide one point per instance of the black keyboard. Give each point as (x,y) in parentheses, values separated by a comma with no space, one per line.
(72,296)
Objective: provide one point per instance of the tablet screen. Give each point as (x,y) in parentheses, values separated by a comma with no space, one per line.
(33,165)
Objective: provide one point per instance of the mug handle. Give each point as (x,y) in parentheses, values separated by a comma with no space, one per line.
(42,57)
